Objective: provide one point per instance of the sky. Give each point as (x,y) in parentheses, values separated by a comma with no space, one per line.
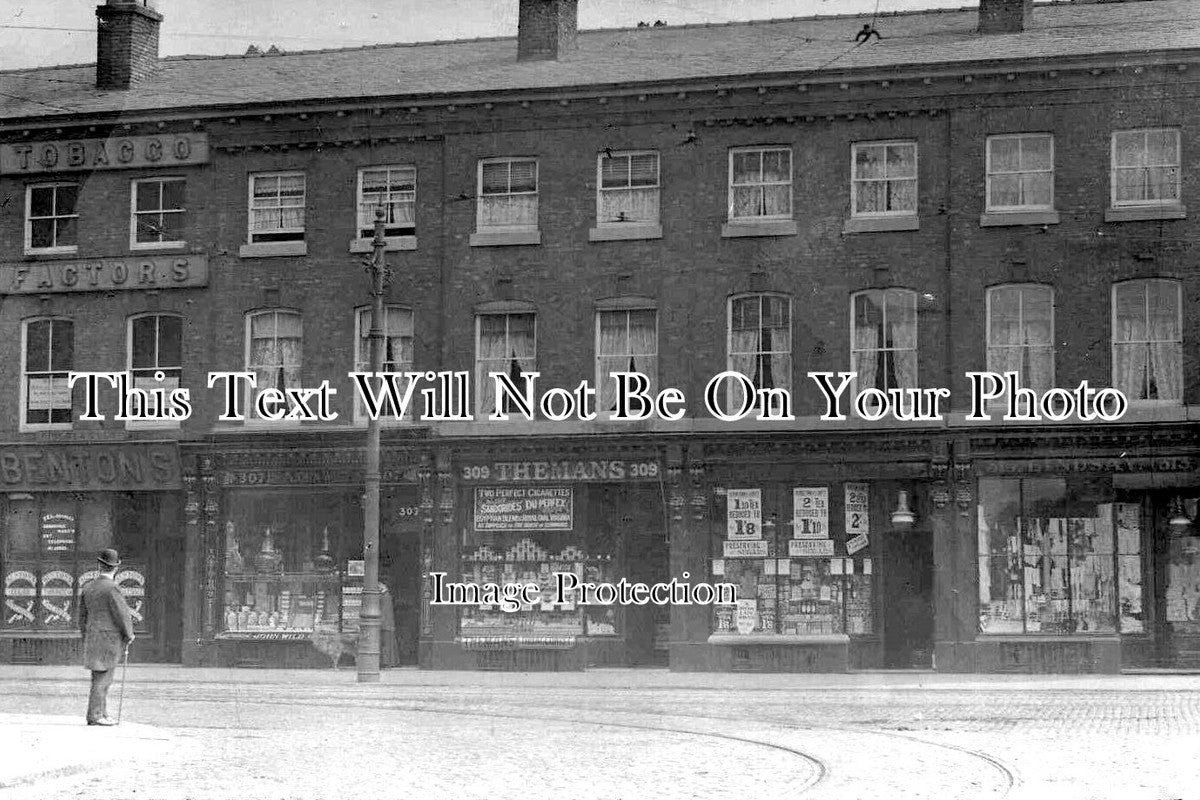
(45,32)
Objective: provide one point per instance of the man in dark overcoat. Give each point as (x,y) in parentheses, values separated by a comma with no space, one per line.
(107,633)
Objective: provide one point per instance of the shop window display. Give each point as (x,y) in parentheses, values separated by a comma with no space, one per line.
(1048,563)
(1183,574)
(285,565)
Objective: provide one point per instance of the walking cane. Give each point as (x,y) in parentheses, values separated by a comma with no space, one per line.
(121,696)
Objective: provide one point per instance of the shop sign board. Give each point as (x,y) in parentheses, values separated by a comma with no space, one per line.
(810,548)
(144,273)
(262,636)
(524,508)
(856,543)
(602,470)
(743,513)
(858,518)
(80,467)
(1073,466)
(753,548)
(169,150)
(810,512)
(58,533)
(747,616)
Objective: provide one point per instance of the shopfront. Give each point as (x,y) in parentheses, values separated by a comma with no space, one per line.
(61,504)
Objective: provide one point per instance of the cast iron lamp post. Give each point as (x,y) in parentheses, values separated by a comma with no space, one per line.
(369,617)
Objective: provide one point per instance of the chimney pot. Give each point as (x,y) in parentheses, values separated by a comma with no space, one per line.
(1004,16)
(546,29)
(126,42)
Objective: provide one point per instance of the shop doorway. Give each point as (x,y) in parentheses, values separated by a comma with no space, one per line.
(908,599)
(400,571)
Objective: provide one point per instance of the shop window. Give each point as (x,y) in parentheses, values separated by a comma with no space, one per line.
(1145,168)
(760,345)
(1020,334)
(627,188)
(397,353)
(394,189)
(49,553)
(49,356)
(883,343)
(504,343)
(156,348)
(884,179)
(277,207)
(291,564)
(798,570)
(274,348)
(760,183)
(1020,172)
(508,194)
(1047,561)
(1147,349)
(159,212)
(52,218)
(626,341)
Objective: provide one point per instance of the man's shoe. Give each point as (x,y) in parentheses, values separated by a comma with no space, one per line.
(105,721)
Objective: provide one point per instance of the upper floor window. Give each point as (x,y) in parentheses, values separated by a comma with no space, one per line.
(760,183)
(508,194)
(1020,333)
(52,218)
(277,207)
(156,347)
(394,189)
(1147,340)
(504,343)
(158,213)
(628,188)
(274,348)
(626,341)
(1145,167)
(884,178)
(1020,172)
(397,353)
(883,343)
(49,356)
(760,343)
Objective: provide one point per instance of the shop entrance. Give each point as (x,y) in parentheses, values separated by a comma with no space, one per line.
(400,571)
(908,599)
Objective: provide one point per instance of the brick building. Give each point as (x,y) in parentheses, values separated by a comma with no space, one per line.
(1000,188)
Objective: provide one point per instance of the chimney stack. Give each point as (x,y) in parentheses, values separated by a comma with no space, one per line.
(126,42)
(546,29)
(1004,16)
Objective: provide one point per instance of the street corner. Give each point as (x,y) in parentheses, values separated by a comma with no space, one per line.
(39,748)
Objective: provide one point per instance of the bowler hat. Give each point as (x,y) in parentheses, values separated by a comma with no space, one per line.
(109,558)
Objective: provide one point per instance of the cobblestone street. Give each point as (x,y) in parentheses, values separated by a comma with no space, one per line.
(613,734)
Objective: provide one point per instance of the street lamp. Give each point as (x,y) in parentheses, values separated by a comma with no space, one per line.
(369,618)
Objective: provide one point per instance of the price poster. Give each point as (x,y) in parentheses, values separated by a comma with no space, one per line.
(744,513)
(810,512)
(858,520)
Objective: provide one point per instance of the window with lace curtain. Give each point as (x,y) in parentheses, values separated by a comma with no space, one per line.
(884,179)
(277,207)
(49,358)
(1145,167)
(274,348)
(504,343)
(627,188)
(394,189)
(397,352)
(760,183)
(883,339)
(1020,172)
(508,194)
(1020,334)
(1147,340)
(626,341)
(760,343)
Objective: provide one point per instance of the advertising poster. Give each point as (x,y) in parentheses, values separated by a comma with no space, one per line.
(810,512)
(744,513)
(523,508)
(858,518)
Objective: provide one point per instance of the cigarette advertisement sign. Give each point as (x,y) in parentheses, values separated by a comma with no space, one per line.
(524,508)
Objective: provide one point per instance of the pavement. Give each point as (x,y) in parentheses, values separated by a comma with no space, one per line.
(213,733)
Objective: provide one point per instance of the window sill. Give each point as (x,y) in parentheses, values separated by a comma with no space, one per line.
(39,427)
(736,229)
(501,238)
(155,247)
(166,425)
(738,639)
(52,252)
(269,249)
(624,232)
(394,244)
(1137,213)
(996,219)
(906,222)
